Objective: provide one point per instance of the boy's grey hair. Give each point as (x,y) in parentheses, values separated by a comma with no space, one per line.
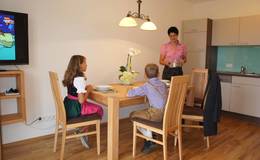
(151,70)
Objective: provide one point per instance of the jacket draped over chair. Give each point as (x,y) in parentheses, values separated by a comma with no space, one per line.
(213,105)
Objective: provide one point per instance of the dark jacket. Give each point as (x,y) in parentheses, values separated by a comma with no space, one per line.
(213,105)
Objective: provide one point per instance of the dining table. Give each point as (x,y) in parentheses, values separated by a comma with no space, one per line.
(115,99)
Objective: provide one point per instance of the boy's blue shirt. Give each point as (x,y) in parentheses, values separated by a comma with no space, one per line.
(155,90)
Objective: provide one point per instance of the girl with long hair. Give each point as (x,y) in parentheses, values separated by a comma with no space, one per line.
(75,102)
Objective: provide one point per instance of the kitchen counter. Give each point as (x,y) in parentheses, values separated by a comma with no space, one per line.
(253,75)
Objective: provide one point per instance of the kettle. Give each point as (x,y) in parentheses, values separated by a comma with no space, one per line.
(243,69)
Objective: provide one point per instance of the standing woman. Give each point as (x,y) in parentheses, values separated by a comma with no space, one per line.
(172,55)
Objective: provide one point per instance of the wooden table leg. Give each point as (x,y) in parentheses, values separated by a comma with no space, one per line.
(113,129)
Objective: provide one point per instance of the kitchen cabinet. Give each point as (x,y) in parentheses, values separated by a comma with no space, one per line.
(225,32)
(225,93)
(196,25)
(244,98)
(249,30)
(195,41)
(195,37)
(236,31)
(195,60)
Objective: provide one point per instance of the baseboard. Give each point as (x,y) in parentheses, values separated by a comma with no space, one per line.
(242,116)
(35,139)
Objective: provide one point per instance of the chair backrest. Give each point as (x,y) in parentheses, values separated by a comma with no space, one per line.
(199,80)
(60,109)
(175,102)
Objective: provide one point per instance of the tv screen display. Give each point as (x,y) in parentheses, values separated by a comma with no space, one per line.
(13,38)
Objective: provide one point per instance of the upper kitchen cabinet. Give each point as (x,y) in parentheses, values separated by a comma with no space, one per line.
(236,31)
(225,32)
(249,30)
(197,25)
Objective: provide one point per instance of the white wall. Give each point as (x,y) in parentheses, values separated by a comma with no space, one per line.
(60,28)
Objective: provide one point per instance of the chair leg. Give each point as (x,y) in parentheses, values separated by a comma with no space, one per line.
(98,137)
(56,137)
(180,142)
(207,139)
(175,139)
(165,146)
(63,143)
(134,139)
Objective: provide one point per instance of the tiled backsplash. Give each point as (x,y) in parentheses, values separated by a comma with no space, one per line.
(232,58)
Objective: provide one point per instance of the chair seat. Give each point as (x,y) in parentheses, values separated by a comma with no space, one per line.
(84,119)
(198,101)
(154,124)
(187,110)
(192,113)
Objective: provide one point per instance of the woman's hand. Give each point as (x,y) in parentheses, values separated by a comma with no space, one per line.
(183,60)
(164,61)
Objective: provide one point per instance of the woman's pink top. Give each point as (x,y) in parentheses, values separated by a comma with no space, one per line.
(172,54)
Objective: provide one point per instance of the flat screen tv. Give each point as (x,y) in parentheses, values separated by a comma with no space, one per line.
(13,38)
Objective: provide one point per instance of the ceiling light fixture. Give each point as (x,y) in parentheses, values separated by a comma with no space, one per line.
(129,20)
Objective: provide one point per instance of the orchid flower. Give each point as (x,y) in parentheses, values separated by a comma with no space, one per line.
(133,52)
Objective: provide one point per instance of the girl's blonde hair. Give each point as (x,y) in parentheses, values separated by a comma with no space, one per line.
(73,69)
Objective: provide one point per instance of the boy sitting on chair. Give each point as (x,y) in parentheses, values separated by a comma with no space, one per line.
(156,92)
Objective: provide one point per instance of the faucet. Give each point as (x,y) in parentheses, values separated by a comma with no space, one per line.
(243,69)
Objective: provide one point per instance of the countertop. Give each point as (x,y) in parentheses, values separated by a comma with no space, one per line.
(253,75)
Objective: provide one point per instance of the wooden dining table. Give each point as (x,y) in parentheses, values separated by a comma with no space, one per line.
(114,100)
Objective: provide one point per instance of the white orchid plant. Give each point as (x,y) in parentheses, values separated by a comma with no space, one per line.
(127,75)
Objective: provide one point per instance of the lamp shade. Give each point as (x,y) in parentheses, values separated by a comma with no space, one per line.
(148,26)
(127,22)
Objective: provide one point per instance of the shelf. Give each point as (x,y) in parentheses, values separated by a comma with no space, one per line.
(11,73)
(12,118)
(20,116)
(3,96)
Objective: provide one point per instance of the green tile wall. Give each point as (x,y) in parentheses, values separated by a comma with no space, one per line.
(237,56)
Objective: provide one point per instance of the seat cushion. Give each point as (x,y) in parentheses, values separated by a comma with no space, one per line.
(198,102)
(187,110)
(148,123)
(84,118)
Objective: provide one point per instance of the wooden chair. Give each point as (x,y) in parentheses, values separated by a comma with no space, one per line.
(171,123)
(199,80)
(62,124)
(198,84)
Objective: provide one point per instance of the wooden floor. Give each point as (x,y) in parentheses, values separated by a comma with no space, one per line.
(238,139)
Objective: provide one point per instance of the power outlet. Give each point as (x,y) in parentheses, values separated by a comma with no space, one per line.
(229,65)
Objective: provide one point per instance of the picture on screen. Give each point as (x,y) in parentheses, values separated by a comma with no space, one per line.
(7,37)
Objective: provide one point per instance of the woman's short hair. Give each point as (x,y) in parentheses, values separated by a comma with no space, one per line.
(151,70)
(173,29)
